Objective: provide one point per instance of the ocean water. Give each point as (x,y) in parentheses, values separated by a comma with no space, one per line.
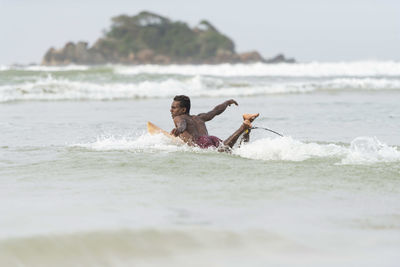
(83,184)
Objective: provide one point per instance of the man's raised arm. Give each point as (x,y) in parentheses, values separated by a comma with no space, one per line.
(217,110)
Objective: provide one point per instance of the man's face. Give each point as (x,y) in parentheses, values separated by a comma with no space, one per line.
(176,109)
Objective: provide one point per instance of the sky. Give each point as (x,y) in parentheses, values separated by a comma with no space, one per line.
(308,30)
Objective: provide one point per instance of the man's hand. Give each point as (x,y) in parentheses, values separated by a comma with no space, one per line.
(175,132)
(231,101)
(180,124)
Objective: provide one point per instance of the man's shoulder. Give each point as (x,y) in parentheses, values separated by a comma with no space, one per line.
(195,117)
(187,116)
(183,117)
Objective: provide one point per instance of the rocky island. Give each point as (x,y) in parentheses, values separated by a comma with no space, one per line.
(148,38)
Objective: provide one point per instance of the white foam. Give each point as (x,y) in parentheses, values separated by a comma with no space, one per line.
(145,142)
(358,84)
(312,69)
(4,68)
(362,150)
(287,149)
(50,88)
(367,150)
(62,89)
(51,68)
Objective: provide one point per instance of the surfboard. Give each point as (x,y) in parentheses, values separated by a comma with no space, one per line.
(154,129)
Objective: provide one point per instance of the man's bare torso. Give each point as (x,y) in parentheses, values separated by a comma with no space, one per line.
(195,127)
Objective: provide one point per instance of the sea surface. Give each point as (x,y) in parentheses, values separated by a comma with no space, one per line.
(83,184)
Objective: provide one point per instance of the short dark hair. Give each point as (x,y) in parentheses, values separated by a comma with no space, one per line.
(184,102)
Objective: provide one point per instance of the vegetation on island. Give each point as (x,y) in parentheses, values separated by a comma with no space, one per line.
(151,38)
(163,36)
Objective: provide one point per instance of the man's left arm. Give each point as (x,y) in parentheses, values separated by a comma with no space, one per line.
(217,110)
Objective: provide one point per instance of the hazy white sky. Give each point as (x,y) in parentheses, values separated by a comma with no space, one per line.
(305,29)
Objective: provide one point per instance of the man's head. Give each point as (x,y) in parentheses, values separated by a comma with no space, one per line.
(180,105)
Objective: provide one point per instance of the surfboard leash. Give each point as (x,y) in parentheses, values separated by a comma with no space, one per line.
(267,130)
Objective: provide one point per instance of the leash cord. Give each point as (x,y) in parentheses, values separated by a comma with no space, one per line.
(267,130)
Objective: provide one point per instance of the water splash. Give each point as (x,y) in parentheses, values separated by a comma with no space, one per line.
(368,150)
(143,143)
(362,150)
(288,149)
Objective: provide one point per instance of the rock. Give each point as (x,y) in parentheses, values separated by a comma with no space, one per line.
(280,58)
(48,57)
(145,56)
(225,56)
(250,57)
(131,57)
(72,54)
(162,60)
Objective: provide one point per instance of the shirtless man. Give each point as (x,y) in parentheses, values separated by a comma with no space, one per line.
(192,128)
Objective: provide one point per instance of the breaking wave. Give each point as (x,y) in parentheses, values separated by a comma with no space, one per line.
(63,89)
(312,69)
(3,67)
(51,88)
(46,68)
